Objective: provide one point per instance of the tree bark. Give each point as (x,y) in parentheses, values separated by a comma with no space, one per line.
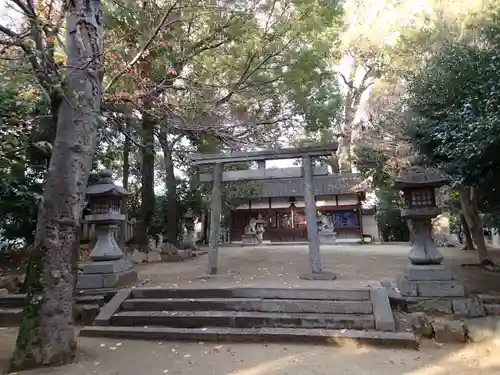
(471,213)
(469,244)
(171,185)
(146,211)
(125,176)
(352,101)
(47,335)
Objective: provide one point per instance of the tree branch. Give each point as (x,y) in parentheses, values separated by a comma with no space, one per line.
(163,22)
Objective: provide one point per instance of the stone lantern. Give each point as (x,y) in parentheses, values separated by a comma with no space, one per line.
(108,269)
(189,240)
(418,187)
(427,285)
(425,276)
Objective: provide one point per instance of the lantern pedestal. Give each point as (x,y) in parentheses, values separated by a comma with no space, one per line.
(108,269)
(426,285)
(190,237)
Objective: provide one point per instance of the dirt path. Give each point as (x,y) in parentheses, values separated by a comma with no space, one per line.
(111,357)
(279,266)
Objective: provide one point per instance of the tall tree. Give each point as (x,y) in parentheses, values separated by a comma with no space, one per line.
(46,335)
(454,114)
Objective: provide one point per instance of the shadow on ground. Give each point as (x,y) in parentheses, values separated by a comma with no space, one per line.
(111,357)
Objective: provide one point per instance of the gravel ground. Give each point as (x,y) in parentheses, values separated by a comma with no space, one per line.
(111,357)
(280,266)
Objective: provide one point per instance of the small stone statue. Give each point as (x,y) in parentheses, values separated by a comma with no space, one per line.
(326,224)
(251,227)
(259,228)
(151,244)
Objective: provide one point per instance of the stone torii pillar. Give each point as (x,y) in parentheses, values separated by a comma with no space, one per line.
(215,212)
(317,272)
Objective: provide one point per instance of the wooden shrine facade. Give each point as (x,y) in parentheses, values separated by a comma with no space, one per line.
(282,205)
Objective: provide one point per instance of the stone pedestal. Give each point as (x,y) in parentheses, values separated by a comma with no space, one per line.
(432,289)
(249,239)
(106,274)
(189,240)
(108,269)
(429,281)
(327,238)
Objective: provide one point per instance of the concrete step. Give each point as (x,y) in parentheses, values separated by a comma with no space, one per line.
(10,316)
(11,309)
(284,335)
(362,294)
(489,299)
(17,300)
(241,319)
(493,309)
(248,304)
(12,300)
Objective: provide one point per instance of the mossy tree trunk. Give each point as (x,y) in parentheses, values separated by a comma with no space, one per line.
(47,335)
(469,244)
(468,203)
(147,208)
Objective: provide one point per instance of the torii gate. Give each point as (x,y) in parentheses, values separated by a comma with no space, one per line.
(306,172)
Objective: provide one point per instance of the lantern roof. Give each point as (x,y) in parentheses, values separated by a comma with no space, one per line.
(419,176)
(189,214)
(105,186)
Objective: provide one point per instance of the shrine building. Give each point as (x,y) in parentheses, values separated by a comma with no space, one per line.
(281,204)
(277,195)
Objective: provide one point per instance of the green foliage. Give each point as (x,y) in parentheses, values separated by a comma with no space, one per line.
(391,226)
(454,105)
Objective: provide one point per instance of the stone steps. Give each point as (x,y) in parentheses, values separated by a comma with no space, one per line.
(241,319)
(284,335)
(86,309)
(492,309)
(491,303)
(10,316)
(248,304)
(361,294)
(251,314)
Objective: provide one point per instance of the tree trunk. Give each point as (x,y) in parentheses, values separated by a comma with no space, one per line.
(146,211)
(474,222)
(125,177)
(203,226)
(47,335)
(353,98)
(171,185)
(469,245)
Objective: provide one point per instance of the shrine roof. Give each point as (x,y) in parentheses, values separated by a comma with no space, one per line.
(418,176)
(105,186)
(348,183)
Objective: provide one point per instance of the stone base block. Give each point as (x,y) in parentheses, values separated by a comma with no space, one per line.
(431,306)
(327,238)
(106,280)
(427,273)
(249,239)
(458,307)
(110,266)
(324,275)
(433,288)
